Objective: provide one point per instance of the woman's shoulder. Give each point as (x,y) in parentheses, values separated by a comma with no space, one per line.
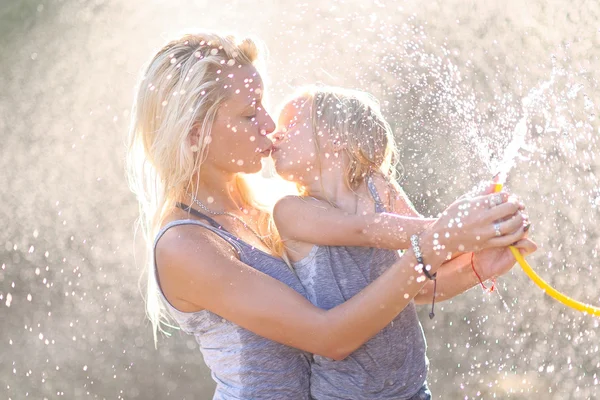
(178,236)
(185,254)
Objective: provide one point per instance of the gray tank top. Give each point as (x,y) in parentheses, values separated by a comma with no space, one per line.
(393,364)
(244,365)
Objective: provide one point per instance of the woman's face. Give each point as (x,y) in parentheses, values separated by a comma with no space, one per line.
(294,150)
(239,133)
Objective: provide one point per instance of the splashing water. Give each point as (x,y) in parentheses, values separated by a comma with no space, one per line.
(84,291)
(546,145)
(555,122)
(508,160)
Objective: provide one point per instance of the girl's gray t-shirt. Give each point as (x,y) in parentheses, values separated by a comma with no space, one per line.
(392,364)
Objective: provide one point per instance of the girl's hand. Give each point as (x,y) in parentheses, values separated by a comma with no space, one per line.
(477,223)
(494,262)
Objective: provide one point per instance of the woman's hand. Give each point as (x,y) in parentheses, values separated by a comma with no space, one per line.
(494,262)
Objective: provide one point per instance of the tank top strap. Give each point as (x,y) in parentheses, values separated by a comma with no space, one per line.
(379,205)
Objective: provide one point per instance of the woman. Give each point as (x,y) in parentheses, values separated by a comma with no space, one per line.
(198,126)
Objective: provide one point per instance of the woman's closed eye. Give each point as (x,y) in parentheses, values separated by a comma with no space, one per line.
(251,111)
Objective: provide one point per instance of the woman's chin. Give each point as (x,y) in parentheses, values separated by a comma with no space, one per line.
(253,169)
(249,168)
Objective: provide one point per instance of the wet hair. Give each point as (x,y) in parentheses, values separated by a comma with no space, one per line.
(180,92)
(352,120)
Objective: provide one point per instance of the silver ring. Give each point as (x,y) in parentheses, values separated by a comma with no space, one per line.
(496,200)
(497,230)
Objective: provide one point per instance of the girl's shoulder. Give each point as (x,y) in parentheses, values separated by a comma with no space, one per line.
(291,203)
(291,199)
(393,196)
(386,189)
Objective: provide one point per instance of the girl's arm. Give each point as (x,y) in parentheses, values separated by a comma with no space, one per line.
(312,221)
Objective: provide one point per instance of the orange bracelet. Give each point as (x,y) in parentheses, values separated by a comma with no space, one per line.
(490,289)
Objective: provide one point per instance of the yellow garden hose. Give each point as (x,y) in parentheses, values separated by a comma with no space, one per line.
(549,290)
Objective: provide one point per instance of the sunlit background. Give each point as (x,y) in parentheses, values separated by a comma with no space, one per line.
(451,76)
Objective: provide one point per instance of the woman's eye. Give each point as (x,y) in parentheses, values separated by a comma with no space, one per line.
(251,117)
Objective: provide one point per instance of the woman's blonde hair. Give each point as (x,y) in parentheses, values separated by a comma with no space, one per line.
(181,90)
(353,120)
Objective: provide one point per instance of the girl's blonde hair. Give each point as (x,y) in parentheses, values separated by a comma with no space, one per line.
(353,120)
(181,90)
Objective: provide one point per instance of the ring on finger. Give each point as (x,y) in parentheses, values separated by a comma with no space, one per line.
(496,200)
(497,230)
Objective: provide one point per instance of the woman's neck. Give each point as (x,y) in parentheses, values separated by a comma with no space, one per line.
(217,190)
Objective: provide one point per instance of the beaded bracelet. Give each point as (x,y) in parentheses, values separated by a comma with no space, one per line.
(414,240)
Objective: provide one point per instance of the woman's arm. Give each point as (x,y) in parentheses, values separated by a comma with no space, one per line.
(456,276)
(198,271)
(453,278)
(312,221)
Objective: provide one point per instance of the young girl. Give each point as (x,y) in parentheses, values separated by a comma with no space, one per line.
(336,145)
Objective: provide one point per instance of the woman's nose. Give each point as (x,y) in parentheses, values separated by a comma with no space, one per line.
(267,124)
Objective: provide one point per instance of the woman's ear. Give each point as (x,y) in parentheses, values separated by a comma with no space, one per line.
(194,140)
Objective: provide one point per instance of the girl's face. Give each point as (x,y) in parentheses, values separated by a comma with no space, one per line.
(239,133)
(294,149)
